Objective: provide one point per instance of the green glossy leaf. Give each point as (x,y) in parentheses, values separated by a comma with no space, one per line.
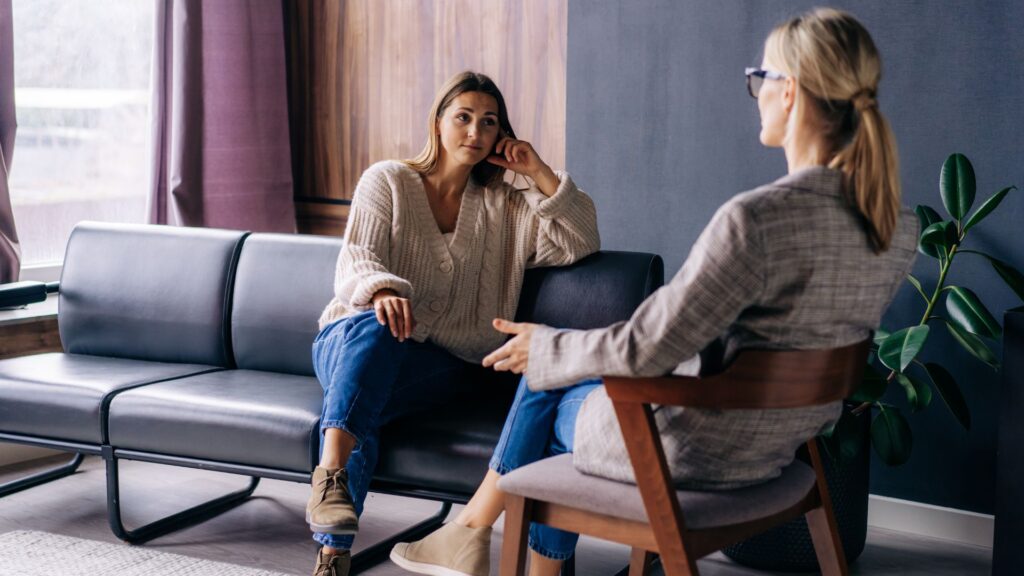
(967,312)
(950,393)
(900,348)
(908,388)
(927,216)
(891,436)
(842,440)
(1013,278)
(880,336)
(919,394)
(917,284)
(987,207)
(973,344)
(942,235)
(957,185)
(847,436)
(872,386)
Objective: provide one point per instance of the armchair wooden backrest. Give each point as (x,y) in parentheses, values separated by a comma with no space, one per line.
(757,379)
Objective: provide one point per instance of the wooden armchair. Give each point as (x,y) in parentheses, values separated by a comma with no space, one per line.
(681,525)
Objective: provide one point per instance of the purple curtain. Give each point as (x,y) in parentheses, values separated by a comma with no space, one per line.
(10,249)
(220,143)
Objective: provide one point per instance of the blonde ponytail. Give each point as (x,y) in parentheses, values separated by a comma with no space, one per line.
(871,165)
(837,66)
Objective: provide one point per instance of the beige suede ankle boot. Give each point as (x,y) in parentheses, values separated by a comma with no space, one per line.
(451,550)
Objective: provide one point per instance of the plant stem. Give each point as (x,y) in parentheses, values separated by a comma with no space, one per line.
(943,271)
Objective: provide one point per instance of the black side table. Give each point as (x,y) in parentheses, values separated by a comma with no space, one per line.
(1007,552)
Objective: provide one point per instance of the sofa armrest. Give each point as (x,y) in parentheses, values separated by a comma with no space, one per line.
(603,288)
(27,292)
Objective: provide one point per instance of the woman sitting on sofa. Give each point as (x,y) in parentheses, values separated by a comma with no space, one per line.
(809,261)
(435,247)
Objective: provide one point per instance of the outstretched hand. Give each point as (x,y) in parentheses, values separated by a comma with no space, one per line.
(514,355)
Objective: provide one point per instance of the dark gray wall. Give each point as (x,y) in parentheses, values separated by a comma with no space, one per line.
(661,132)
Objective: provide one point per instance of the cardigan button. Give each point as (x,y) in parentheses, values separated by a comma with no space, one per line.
(436,305)
(446,266)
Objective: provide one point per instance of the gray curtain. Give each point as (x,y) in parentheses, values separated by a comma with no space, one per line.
(220,142)
(10,249)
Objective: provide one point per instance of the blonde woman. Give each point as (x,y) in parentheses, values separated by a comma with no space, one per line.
(810,260)
(435,247)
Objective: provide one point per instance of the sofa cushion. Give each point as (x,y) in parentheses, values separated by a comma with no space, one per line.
(282,285)
(238,416)
(557,480)
(147,292)
(61,396)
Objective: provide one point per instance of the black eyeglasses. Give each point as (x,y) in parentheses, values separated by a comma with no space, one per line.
(756,78)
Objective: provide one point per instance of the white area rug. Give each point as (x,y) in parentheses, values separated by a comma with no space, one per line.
(25,553)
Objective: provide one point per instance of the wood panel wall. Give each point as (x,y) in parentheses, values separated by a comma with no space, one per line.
(395,55)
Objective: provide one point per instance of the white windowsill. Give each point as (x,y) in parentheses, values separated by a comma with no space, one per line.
(42,272)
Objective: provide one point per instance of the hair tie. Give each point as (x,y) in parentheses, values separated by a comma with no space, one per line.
(863,100)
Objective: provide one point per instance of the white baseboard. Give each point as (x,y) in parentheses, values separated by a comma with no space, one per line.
(932,521)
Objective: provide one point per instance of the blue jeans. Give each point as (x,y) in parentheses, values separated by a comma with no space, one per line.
(542,424)
(370,378)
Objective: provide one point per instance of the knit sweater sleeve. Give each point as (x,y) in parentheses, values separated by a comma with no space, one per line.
(566,224)
(363,267)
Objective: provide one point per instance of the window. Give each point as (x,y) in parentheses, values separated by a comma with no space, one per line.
(82,92)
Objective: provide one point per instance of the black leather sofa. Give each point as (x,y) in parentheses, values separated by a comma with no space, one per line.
(191,347)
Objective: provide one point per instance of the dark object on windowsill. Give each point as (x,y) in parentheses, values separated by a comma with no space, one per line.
(17,294)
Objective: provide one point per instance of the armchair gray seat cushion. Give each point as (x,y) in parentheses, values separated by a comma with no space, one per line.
(63,395)
(556,480)
(247,417)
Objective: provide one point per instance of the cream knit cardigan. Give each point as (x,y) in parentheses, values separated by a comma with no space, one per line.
(392,241)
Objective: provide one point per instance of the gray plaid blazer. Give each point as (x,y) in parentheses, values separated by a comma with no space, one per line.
(784,266)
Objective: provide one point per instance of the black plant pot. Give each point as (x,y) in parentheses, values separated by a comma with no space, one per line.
(788,548)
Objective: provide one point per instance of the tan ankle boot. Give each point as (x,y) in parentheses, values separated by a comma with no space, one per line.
(332,564)
(330,509)
(451,550)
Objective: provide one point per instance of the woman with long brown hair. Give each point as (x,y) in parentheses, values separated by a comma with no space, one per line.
(811,260)
(435,247)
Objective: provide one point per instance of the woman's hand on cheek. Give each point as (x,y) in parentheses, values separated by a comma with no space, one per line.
(514,355)
(520,157)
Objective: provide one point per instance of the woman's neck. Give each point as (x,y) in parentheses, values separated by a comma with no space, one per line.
(805,149)
(447,180)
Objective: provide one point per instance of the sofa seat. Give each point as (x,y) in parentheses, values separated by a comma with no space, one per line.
(446,451)
(62,396)
(247,417)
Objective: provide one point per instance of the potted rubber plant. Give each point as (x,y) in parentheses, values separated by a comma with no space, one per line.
(893,362)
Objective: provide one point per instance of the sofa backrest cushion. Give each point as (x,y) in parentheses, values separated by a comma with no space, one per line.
(147,292)
(599,290)
(282,284)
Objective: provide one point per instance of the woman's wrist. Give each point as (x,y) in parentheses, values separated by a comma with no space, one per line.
(546,180)
(382,293)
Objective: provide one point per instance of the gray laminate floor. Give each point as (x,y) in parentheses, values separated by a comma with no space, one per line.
(269,531)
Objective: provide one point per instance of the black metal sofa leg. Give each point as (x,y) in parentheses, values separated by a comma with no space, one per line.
(174,522)
(380,551)
(43,477)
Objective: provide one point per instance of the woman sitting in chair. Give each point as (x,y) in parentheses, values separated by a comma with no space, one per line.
(435,247)
(809,261)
